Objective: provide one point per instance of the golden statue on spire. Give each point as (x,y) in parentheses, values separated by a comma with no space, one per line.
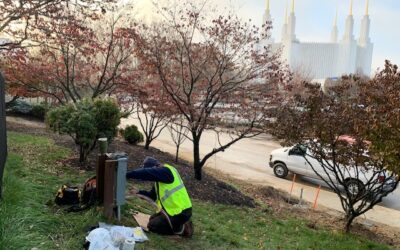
(351,8)
(292,6)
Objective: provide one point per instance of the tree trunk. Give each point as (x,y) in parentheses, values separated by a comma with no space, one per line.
(349,220)
(3,132)
(82,156)
(177,154)
(147,144)
(196,159)
(95,143)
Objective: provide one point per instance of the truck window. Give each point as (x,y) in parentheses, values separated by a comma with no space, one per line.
(299,150)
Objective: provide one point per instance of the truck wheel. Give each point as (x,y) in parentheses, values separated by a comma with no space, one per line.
(356,188)
(280,170)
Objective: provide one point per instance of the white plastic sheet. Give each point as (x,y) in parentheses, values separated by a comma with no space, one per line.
(119,232)
(110,237)
(100,239)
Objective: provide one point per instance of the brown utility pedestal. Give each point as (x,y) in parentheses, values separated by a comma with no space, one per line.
(101,161)
(111,173)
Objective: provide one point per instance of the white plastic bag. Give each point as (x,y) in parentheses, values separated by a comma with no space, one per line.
(100,239)
(119,234)
(139,235)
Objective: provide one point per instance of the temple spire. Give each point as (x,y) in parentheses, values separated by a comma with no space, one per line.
(335,31)
(365,28)
(292,11)
(286,13)
(351,8)
(267,21)
(367,8)
(285,24)
(348,34)
(292,25)
(335,20)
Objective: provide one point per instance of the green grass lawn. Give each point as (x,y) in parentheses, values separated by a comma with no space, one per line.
(29,219)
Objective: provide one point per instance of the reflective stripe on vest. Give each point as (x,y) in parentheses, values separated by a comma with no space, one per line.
(172,197)
(168,193)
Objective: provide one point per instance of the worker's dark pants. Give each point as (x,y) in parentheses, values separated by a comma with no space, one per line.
(159,224)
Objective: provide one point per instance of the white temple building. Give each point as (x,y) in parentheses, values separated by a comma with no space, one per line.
(322,60)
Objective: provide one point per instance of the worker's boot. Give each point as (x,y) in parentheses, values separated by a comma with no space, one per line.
(188,229)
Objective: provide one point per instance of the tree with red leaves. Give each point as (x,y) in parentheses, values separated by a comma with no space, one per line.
(19,17)
(382,97)
(72,60)
(152,110)
(214,72)
(349,137)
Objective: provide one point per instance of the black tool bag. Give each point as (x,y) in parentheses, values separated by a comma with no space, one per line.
(67,195)
(80,201)
(88,196)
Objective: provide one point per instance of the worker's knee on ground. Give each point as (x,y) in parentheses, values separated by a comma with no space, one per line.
(155,228)
(152,225)
(158,224)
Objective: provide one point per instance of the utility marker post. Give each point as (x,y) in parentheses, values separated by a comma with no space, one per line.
(316,197)
(291,189)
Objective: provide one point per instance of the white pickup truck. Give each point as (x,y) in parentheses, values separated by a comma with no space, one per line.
(297,160)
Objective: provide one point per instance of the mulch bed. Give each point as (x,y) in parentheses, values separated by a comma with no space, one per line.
(208,189)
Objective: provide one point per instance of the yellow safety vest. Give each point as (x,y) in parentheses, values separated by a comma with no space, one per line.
(172,197)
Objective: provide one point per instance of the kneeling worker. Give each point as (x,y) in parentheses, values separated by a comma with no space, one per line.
(170,195)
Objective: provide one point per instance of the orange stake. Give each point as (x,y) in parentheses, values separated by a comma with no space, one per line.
(316,197)
(293,181)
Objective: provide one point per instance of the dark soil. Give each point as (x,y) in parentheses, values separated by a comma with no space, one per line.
(208,189)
